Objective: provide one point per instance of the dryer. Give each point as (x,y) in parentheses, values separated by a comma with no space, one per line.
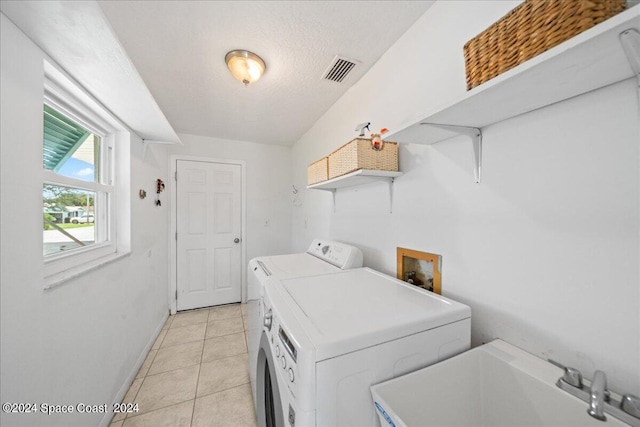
(322,256)
(327,338)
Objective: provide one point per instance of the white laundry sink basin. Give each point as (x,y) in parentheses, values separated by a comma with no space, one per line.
(493,385)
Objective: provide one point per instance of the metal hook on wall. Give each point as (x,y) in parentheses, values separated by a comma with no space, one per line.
(296,197)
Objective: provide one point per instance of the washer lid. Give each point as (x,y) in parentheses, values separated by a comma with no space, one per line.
(354,309)
(296,265)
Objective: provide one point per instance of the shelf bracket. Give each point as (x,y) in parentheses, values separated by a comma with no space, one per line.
(391,195)
(476,139)
(390,182)
(630,40)
(333,195)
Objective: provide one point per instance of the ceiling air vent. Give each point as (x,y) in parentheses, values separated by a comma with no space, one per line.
(339,68)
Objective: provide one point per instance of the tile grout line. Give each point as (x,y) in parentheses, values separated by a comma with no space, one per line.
(201,362)
(226,389)
(171,370)
(159,409)
(147,375)
(195,393)
(169,327)
(182,343)
(144,377)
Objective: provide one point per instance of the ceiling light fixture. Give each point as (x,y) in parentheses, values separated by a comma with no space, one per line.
(245,66)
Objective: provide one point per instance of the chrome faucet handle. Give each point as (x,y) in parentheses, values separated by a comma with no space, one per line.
(598,395)
(571,376)
(631,405)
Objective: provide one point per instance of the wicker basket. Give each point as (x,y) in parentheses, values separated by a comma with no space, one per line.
(358,154)
(318,171)
(528,30)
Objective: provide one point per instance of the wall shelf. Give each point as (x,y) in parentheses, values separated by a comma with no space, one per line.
(593,59)
(359,177)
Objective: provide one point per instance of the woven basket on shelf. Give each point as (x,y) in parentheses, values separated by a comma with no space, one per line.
(358,154)
(528,30)
(318,171)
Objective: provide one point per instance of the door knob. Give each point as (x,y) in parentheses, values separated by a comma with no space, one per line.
(236,240)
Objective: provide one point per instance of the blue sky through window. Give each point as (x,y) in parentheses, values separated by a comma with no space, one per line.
(78,169)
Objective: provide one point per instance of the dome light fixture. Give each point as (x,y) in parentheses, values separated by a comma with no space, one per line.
(245,66)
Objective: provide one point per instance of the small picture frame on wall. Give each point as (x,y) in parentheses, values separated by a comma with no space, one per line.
(421,269)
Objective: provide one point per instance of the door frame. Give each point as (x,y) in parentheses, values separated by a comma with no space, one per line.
(173,252)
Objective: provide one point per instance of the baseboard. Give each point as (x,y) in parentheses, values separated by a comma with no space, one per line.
(106,419)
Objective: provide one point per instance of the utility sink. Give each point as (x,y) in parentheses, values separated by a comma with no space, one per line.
(496,384)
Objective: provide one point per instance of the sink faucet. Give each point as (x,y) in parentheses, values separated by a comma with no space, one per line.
(597,396)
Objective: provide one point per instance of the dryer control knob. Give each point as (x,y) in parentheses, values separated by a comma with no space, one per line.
(284,362)
(291,375)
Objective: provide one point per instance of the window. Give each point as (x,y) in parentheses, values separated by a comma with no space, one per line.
(79,190)
(76,190)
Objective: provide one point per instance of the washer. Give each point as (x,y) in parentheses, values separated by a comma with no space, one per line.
(326,339)
(322,256)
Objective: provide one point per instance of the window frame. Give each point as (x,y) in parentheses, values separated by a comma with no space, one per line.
(112,237)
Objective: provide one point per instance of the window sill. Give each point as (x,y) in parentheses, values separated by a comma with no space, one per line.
(61,278)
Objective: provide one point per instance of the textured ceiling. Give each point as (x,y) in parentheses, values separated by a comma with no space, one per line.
(178,47)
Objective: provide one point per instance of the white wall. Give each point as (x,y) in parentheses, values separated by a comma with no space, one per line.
(83,341)
(269,193)
(546,249)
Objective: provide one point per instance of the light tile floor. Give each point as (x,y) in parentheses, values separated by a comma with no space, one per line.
(196,373)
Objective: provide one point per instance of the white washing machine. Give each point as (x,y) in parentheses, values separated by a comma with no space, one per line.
(322,256)
(326,339)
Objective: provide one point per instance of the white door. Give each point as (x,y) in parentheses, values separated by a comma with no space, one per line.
(208,234)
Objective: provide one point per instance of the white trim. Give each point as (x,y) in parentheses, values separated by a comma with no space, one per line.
(63,102)
(105,207)
(173,165)
(57,80)
(61,278)
(63,93)
(50,177)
